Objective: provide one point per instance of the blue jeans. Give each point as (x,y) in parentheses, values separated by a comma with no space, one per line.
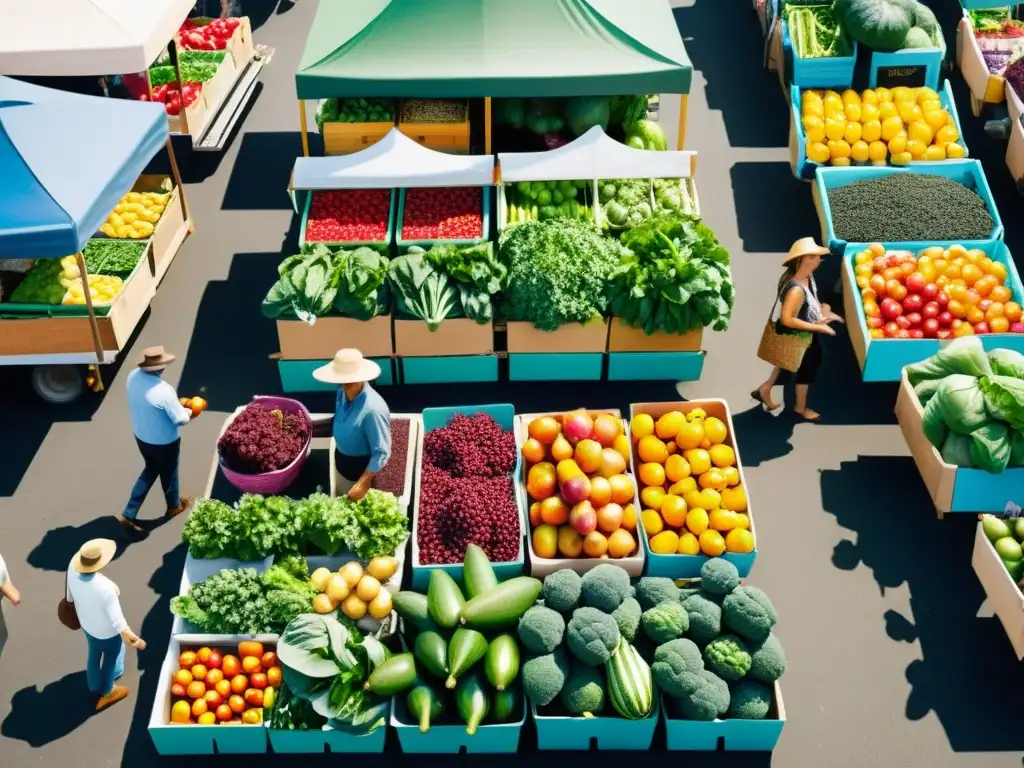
(105,663)
(160,461)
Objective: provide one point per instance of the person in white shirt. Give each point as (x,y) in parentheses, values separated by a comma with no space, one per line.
(8,590)
(97,603)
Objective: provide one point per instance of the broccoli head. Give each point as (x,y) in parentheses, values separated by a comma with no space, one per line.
(627,616)
(544,676)
(767,660)
(719,576)
(541,629)
(652,590)
(751,700)
(677,667)
(584,691)
(561,590)
(605,587)
(748,612)
(665,621)
(727,656)
(592,635)
(705,618)
(709,700)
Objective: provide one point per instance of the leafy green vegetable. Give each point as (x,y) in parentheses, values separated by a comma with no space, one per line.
(1007,362)
(991,448)
(965,355)
(376,525)
(291,713)
(106,256)
(625,202)
(626,110)
(211,530)
(673,277)
(1004,399)
(878,24)
(477,273)
(541,200)
(229,602)
(646,134)
(961,403)
(423,291)
(956,450)
(307,286)
(557,272)
(673,196)
(362,290)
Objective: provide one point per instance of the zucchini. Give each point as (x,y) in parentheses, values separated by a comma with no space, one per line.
(506,704)
(477,572)
(501,664)
(502,606)
(431,651)
(630,687)
(444,600)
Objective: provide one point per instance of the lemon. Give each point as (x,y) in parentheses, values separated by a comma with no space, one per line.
(859,151)
(884,95)
(697,521)
(676,468)
(868,112)
(871,131)
(739,540)
(683,486)
(651,449)
(927,94)
(690,436)
(813,122)
(909,112)
(916,148)
(715,430)
(722,456)
(947,134)
(665,543)
(696,414)
(732,475)
(935,119)
(652,522)
(817,152)
(652,496)
(834,129)
(713,479)
(668,426)
(841,162)
(711,543)
(869,97)
(920,131)
(887,110)
(891,127)
(734,499)
(853,112)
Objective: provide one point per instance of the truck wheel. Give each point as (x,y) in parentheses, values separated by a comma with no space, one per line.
(58,384)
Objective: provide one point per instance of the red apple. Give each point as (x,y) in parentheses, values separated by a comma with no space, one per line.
(931,309)
(981,328)
(942,298)
(916,333)
(903,322)
(891,309)
(945,319)
(913,302)
(903,334)
(914,318)
(944,333)
(915,282)
(875,322)
(931,327)
(890,330)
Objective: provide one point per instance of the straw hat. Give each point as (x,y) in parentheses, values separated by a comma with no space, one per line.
(155,359)
(348,367)
(805,246)
(94,555)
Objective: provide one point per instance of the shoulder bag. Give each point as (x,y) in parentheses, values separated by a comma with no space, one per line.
(786,350)
(67,614)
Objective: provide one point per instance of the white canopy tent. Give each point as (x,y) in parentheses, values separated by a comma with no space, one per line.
(66,38)
(595,155)
(394,161)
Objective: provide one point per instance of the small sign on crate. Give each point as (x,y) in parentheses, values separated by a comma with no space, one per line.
(912,77)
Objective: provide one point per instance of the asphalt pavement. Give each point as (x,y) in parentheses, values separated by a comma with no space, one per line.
(893,659)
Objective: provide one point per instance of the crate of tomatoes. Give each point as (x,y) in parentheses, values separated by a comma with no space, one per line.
(429,215)
(349,217)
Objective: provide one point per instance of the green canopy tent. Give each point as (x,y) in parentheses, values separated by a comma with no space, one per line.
(492,48)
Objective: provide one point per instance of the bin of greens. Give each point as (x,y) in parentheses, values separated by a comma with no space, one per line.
(624,203)
(677,196)
(541,200)
(973,404)
(112,257)
(816,33)
(355,111)
(447,281)
(673,276)
(557,272)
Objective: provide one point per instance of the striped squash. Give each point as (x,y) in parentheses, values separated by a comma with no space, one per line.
(630,687)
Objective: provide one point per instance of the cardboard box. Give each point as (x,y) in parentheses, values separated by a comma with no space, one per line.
(688,566)
(1004,596)
(577,337)
(542,566)
(952,488)
(454,337)
(623,338)
(984,86)
(323,339)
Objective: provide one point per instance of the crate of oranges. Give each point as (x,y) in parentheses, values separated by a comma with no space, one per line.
(211,684)
(693,497)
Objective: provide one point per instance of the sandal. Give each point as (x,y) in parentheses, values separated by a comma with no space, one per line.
(805,414)
(768,405)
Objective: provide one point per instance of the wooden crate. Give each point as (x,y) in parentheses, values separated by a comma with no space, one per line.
(623,338)
(240,46)
(196,115)
(217,88)
(443,137)
(346,138)
(320,341)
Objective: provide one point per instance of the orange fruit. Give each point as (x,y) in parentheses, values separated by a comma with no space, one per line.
(180,712)
(621,544)
(652,450)
(213,677)
(957,292)
(713,479)
(998,271)
(629,517)
(673,511)
(665,543)
(239,683)
(984,285)
(196,689)
(652,497)
(722,455)
(622,488)
(641,426)
(223,687)
(230,666)
(696,521)
(600,491)
(683,486)
(250,664)
(999,325)
(739,540)
(199,707)
(652,522)
(732,476)
(199,672)
(734,499)
(971,273)
(957,308)
(237,704)
(691,435)
(688,545)
(715,430)
(974,315)
(187,660)
(554,511)
(183,677)
(668,426)
(676,468)
(711,543)
(721,520)
(699,459)
(1001,293)
(1012,311)
(595,544)
(652,473)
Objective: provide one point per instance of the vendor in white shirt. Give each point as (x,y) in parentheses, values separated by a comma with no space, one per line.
(97,603)
(8,590)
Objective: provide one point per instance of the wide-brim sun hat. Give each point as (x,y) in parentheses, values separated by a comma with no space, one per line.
(348,367)
(94,555)
(805,246)
(155,359)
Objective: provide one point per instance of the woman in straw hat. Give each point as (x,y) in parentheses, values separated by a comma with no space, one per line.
(97,603)
(361,425)
(801,312)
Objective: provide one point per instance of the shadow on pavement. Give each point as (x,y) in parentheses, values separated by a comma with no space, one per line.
(932,557)
(763,436)
(59,545)
(773,209)
(41,716)
(749,97)
(261,173)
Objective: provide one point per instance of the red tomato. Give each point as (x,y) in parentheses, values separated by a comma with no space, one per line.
(915,282)
(913,302)
(443,214)
(914,318)
(931,327)
(930,292)
(350,215)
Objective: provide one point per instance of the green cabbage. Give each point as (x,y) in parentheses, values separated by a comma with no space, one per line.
(1004,398)
(1007,362)
(964,355)
(990,448)
(1016,448)
(961,403)
(932,425)
(957,450)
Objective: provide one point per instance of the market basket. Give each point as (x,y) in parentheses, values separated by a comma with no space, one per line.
(451,739)
(1003,593)
(817,73)
(736,734)
(269,483)
(555,732)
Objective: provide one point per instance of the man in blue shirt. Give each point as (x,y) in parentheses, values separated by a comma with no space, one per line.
(361,425)
(156,417)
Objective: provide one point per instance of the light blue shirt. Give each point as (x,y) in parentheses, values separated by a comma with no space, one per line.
(156,412)
(362,427)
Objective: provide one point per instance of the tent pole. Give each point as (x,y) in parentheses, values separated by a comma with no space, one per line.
(487,125)
(93,325)
(683,104)
(176,174)
(302,128)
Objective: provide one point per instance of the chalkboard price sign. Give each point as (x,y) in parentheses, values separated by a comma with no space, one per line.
(913,76)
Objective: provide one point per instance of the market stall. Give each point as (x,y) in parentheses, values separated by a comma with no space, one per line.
(104,226)
(389,49)
(395,198)
(203,71)
(997,562)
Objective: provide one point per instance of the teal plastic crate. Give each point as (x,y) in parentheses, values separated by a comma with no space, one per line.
(327,740)
(804,169)
(563,733)
(929,58)
(688,566)
(497,738)
(376,245)
(504,414)
(297,375)
(655,366)
(817,73)
(736,735)
(884,359)
(967,172)
(555,366)
(485,231)
(443,370)
(974,4)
